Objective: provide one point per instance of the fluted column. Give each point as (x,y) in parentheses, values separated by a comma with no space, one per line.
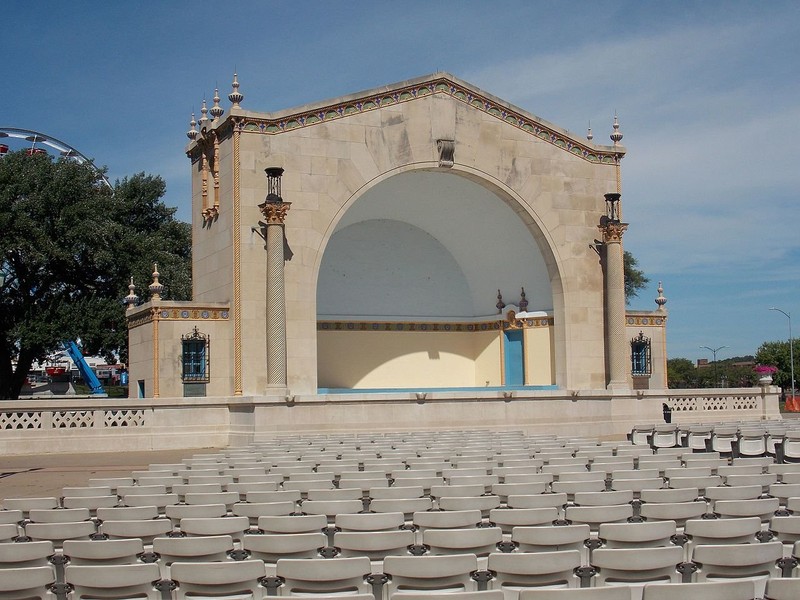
(616,340)
(274,215)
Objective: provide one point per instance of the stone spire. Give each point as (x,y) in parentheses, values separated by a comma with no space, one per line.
(131,299)
(235,97)
(500,304)
(203,115)
(192,133)
(589,134)
(523,301)
(156,287)
(616,135)
(661,300)
(216,110)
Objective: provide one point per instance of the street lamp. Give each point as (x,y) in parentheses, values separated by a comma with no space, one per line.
(714,352)
(791,344)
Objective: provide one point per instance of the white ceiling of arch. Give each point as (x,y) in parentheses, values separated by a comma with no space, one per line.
(429,244)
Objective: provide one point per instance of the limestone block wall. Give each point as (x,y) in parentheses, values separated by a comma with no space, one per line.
(558,195)
(161,325)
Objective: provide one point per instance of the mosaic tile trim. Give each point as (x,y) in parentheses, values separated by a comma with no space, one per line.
(430,327)
(440,85)
(180,314)
(648,321)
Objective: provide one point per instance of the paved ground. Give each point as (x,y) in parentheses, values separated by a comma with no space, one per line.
(45,475)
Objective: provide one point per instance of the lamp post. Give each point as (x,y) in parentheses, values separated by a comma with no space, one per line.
(791,344)
(714,352)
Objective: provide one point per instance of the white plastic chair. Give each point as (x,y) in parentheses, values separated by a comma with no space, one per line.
(375,545)
(710,590)
(509,518)
(517,571)
(727,561)
(113,581)
(430,573)
(478,541)
(24,583)
(311,575)
(218,579)
(637,565)
(272,547)
(146,530)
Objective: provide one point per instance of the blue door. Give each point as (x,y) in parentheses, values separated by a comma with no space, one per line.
(513,358)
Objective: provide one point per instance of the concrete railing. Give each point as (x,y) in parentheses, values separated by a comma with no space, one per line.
(42,425)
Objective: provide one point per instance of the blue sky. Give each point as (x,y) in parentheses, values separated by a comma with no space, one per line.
(708,97)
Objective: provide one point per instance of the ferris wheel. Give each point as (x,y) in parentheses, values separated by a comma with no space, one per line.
(40,143)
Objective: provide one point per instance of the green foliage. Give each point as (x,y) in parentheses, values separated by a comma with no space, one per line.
(635,279)
(680,373)
(68,249)
(733,372)
(777,354)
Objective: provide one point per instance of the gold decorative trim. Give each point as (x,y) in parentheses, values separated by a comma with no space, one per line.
(428,327)
(274,212)
(155,316)
(646,321)
(165,313)
(237,269)
(612,231)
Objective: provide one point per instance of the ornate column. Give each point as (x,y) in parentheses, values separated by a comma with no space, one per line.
(274,210)
(612,230)
(155,298)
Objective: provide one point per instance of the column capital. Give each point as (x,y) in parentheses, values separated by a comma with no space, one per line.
(274,212)
(612,231)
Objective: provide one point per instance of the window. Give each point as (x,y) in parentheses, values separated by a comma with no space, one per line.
(195,357)
(640,355)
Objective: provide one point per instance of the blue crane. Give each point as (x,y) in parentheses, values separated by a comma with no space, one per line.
(89,377)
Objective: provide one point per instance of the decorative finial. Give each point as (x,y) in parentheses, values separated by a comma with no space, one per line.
(131,299)
(235,97)
(589,134)
(156,287)
(192,133)
(661,300)
(216,110)
(500,304)
(616,136)
(523,302)
(203,114)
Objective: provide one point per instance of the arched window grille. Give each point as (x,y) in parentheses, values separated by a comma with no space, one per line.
(640,355)
(195,350)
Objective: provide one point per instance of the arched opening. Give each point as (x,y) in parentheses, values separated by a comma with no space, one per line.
(407,293)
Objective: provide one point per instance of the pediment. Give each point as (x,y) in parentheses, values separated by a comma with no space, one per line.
(312,114)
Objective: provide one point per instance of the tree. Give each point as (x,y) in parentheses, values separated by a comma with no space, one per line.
(68,249)
(635,279)
(777,354)
(681,373)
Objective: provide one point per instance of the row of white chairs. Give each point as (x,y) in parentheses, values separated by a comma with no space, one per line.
(612,569)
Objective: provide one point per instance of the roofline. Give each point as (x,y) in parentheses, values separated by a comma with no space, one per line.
(281,121)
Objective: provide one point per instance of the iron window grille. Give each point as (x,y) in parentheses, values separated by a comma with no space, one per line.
(195,357)
(640,355)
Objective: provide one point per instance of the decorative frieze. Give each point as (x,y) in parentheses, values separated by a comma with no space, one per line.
(431,327)
(437,85)
(196,313)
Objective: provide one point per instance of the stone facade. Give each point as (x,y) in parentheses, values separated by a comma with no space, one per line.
(502,200)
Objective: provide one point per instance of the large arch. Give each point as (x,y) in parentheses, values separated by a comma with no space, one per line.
(431,246)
